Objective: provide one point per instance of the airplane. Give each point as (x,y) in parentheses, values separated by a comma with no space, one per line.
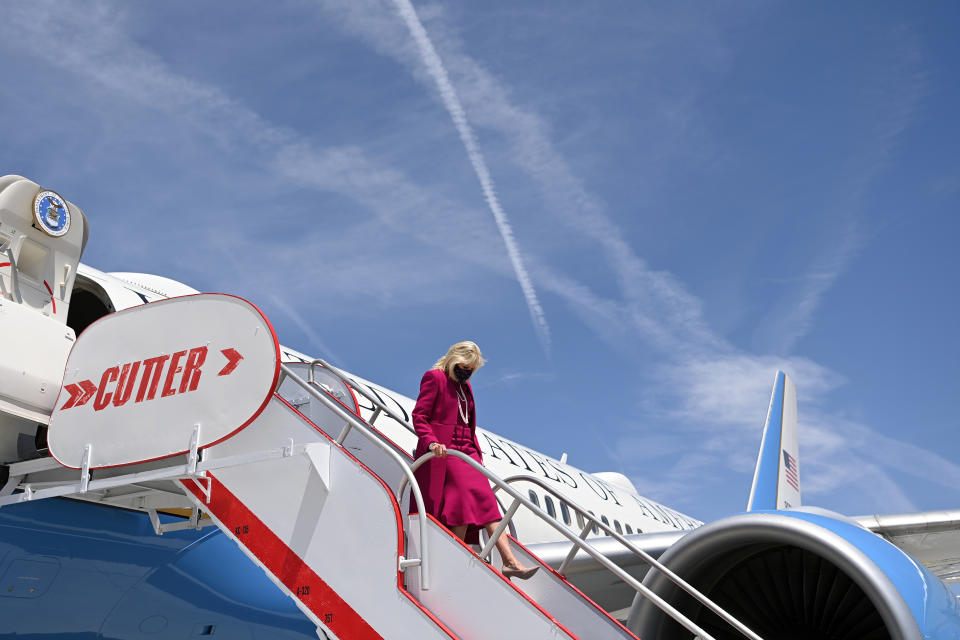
(155,485)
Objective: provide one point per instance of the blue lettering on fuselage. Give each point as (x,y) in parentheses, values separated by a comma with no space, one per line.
(380,396)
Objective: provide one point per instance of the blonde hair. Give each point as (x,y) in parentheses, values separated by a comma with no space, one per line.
(465,353)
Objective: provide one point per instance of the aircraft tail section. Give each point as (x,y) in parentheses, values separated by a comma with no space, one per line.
(776,480)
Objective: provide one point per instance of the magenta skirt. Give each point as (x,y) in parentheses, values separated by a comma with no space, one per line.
(467,496)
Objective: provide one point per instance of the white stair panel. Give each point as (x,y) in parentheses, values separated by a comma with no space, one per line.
(474,599)
(574,610)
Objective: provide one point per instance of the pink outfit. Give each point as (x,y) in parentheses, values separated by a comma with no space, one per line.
(452,491)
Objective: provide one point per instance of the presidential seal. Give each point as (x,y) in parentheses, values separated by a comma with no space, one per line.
(52,213)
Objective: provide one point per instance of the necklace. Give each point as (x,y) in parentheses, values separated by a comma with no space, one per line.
(462,405)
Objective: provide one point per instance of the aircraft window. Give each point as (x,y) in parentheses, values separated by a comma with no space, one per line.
(533,498)
(605,521)
(629,529)
(551,510)
(596,529)
(565,512)
(580,521)
(616,525)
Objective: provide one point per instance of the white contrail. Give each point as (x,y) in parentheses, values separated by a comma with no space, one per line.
(450,100)
(306,328)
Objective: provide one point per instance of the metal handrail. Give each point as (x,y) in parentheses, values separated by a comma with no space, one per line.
(581,543)
(580,511)
(592,521)
(353,384)
(364,428)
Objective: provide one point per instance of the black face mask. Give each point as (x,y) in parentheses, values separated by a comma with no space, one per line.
(461,374)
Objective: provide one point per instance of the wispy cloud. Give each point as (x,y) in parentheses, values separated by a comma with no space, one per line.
(512,377)
(717,408)
(389,273)
(119,71)
(897,87)
(654,302)
(452,103)
(307,329)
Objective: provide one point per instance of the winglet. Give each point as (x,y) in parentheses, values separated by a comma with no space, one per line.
(776,481)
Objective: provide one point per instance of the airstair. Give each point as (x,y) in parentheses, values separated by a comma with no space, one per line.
(191,392)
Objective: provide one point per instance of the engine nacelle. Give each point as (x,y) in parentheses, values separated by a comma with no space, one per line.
(790,575)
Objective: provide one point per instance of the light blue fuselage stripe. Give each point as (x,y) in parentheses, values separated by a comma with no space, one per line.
(768,477)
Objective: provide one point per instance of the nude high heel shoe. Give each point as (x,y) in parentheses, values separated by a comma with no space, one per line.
(523,574)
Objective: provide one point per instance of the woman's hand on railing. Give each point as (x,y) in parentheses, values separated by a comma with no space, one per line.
(438,449)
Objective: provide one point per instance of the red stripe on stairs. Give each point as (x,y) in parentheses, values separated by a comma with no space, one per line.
(325,603)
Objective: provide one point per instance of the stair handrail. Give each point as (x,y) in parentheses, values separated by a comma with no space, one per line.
(592,520)
(344,377)
(580,543)
(364,428)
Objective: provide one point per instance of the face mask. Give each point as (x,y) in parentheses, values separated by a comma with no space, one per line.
(461,374)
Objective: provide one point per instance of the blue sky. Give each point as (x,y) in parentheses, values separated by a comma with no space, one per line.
(640,212)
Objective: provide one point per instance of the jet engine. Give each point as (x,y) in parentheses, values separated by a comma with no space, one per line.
(791,574)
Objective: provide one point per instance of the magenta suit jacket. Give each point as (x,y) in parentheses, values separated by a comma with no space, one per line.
(436,412)
(434,419)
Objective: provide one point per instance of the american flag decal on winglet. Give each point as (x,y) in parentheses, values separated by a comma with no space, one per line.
(792,470)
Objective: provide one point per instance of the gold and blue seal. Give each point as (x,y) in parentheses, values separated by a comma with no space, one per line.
(51,213)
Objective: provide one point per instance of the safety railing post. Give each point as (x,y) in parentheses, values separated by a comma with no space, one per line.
(504,522)
(85,468)
(194,454)
(574,549)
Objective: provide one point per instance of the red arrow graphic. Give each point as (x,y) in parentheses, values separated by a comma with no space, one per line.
(75,392)
(80,394)
(88,390)
(233,359)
